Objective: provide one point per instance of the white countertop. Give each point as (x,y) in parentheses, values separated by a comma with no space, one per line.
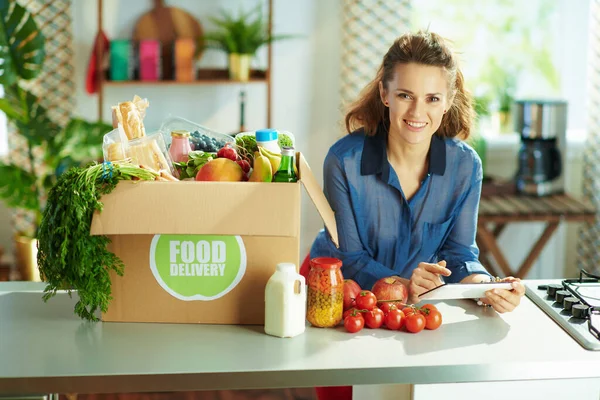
(45,348)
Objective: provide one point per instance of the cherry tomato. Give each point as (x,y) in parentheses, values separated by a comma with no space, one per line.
(428,307)
(415,323)
(433,320)
(348,312)
(394,320)
(354,322)
(386,306)
(366,300)
(374,318)
(409,310)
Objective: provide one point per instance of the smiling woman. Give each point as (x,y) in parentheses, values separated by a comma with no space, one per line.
(404,187)
(383,179)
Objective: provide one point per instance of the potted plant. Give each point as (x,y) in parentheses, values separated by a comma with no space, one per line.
(506,97)
(51,149)
(240,37)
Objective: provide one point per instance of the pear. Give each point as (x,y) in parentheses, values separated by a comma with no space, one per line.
(274,159)
(261,171)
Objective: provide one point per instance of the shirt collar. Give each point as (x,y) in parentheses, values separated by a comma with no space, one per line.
(374,155)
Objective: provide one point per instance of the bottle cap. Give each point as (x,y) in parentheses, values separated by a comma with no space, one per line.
(265,135)
(287,151)
(286,267)
(180,133)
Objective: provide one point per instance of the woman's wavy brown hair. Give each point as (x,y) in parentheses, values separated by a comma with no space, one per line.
(425,48)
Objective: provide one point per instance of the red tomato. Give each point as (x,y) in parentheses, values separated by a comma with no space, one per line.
(354,322)
(348,312)
(427,307)
(433,320)
(415,323)
(409,310)
(374,318)
(386,306)
(366,300)
(394,319)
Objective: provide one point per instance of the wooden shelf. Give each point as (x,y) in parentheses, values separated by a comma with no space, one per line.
(181,83)
(204,77)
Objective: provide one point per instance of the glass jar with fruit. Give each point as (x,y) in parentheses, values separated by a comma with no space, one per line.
(325,294)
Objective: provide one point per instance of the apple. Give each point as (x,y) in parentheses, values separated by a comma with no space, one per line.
(391,288)
(351,291)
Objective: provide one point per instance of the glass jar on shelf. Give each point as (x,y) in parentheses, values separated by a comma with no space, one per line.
(325,294)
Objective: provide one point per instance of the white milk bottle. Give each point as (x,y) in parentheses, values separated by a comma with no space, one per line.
(285,302)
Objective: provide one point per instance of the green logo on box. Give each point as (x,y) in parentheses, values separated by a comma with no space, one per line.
(197,267)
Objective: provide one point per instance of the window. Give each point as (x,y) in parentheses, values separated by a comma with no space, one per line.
(511,49)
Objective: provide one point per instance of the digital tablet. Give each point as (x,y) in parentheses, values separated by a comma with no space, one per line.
(451,291)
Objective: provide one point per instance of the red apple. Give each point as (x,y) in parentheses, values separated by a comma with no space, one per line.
(391,288)
(351,291)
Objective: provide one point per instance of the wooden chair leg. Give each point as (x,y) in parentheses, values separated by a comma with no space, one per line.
(536,250)
(498,229)
(490,243)
(483,256)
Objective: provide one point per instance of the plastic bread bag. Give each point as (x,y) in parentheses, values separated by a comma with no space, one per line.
(151,151)
(115,146)
(130,114)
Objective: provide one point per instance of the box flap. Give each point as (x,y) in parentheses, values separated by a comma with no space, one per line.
(318,198)
(216,208)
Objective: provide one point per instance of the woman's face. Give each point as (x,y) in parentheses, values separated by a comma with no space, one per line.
(417,98)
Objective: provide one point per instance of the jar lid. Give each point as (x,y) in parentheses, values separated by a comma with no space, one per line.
(265,135)
(180,133)
(326,263)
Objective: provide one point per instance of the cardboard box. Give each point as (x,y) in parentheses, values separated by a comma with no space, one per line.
(202,252)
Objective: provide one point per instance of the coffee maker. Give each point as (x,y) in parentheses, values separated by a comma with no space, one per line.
(542,125)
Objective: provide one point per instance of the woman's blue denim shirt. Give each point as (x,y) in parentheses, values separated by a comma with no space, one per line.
(380,232)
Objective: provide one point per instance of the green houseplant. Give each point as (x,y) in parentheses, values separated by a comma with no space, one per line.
(51,149)
(240,37)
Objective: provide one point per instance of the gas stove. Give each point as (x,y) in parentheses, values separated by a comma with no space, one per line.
(574,304)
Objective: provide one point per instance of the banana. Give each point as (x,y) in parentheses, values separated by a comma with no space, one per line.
(274,159)
(270,153)
(261,171)
(267,151)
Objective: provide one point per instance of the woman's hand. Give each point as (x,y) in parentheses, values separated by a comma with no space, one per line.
(425,277)
(504,300)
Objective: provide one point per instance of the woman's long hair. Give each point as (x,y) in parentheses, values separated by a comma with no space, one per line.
(424,48)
